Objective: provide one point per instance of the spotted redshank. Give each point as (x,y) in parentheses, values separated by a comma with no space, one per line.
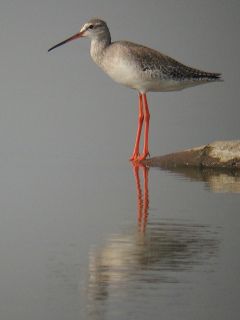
(140,68)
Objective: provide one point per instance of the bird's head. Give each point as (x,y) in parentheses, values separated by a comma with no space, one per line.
(94,29)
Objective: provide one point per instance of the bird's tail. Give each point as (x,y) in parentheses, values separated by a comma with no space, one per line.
(206,76)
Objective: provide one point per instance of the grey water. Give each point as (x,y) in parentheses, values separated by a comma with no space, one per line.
(83,233)
(98,240)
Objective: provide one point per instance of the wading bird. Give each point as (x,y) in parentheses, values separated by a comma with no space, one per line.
(140,68)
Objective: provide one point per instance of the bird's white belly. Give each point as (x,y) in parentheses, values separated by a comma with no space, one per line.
(129,75)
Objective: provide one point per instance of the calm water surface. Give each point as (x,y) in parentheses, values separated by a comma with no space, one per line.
(106,240)
(83,234)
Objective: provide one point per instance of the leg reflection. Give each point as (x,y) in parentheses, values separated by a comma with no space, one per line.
(142,197)
(162,251)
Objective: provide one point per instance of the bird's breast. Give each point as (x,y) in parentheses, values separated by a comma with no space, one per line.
(122,71)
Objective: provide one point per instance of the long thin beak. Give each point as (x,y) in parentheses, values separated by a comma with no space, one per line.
(75,36)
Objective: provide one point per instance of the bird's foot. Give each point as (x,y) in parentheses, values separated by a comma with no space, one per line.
(134,157)
(138,157)
(143,156)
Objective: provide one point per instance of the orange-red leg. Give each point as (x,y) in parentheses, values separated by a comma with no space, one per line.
(135,153)
(145,152)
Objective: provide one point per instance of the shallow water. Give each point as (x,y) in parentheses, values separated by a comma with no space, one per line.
(83,234)
(101,241)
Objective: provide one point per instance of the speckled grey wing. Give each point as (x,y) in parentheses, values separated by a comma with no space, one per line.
(161,66)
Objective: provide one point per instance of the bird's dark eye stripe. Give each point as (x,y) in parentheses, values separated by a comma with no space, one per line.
(91,26)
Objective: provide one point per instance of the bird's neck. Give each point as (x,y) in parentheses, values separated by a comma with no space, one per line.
(98,47)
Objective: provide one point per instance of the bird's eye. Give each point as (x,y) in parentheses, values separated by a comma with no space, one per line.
(91,26)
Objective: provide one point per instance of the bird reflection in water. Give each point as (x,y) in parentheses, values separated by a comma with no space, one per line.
(142,197)
(156,255)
